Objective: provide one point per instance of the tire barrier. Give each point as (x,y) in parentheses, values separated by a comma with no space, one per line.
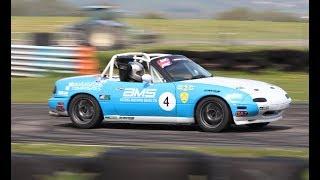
(39,61)
(141,164)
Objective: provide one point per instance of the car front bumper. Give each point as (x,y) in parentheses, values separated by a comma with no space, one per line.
(267,113)
(58,106)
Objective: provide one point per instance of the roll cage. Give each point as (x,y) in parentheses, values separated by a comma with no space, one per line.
(136,56)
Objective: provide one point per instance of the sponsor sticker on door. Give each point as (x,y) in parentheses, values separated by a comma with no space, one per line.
(136,95)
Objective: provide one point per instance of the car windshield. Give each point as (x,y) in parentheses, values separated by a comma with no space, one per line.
(180,68)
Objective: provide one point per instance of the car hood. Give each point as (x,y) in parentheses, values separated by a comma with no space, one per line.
(256,89)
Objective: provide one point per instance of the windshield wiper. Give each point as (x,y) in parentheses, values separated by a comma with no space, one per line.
(198,76)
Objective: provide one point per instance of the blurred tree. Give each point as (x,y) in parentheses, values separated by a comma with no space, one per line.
(237,14)
(242,13)
(42,8)
(153,15)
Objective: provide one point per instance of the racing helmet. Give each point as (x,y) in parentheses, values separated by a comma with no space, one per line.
(137,70)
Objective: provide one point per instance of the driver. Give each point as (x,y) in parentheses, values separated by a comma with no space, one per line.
(137,70)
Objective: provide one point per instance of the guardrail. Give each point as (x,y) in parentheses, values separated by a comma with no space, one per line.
(159,164)
(39,61)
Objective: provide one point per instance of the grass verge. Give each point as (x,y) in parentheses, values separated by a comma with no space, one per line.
(246,151)
(57,149)
(92,150)
(296,84)
(68,176)
(180,29)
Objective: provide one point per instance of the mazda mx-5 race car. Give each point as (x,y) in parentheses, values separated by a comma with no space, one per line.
(165,88)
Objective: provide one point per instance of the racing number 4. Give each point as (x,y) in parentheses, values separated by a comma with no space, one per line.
(166,101)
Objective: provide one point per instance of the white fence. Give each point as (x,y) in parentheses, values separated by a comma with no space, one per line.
(39,61)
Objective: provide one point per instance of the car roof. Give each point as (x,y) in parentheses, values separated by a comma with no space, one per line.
(139,56)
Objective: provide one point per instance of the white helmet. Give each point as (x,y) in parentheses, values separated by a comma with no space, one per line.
(137,70)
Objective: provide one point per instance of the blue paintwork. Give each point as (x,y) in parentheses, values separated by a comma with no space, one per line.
(115,90)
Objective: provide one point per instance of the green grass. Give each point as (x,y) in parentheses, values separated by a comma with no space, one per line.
(35,90)
(203,29)
(57,149)
(40,24)
(32,90)
(182,29)
(305,175)
(90,151)
(93,151)
(296,84)
(67,176)
(242,151)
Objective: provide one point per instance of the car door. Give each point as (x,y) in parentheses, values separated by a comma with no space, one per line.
(144,99)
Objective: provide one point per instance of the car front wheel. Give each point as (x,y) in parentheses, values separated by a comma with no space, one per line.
(85,112)
(213,114)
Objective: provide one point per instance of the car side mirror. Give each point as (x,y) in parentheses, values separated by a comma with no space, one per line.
(146,78)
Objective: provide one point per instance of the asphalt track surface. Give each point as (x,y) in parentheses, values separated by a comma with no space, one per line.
(31,123)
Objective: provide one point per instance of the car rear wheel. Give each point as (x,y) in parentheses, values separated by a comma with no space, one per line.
(85,112)
(257,125)
(213,114)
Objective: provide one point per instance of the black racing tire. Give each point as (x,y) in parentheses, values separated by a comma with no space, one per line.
(85,111)
(257,125)
(213,114)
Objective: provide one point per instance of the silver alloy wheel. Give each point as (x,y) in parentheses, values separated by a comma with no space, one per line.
(83,111)
(212,114)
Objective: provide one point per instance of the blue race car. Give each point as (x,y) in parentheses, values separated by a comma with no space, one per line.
(169,89)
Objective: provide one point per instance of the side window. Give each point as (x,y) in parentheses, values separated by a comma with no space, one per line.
(156,76)
(123,70)
(115,71)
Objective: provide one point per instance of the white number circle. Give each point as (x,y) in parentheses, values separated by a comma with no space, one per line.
(167,101)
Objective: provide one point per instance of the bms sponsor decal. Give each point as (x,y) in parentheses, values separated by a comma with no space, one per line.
(135,92)
(88,86)
(136,95)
